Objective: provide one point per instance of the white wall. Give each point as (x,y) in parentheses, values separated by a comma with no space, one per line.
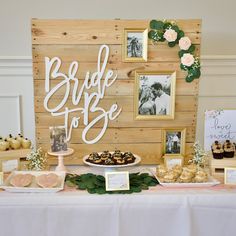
(218,18)
(218,82)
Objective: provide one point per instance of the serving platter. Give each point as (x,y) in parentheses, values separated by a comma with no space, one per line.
(33,187)
(210,183)
(137,160)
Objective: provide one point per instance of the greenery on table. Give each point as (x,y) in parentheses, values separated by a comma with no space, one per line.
(161,31)
(96,183)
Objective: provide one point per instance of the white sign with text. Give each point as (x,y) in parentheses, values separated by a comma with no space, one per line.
(116,181)
(219,125)
(98,81)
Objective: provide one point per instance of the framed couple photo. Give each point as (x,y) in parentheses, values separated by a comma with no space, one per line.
(135,45)
(173,141)
(154,95)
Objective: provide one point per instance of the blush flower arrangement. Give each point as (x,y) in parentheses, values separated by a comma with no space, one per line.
(161,31)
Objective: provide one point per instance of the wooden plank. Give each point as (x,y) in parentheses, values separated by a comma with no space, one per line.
(107,31)
(120,88)
(117,135)
(89,53)
(123,70)
(150,153)
(182,103)
(125,119)
(80,40)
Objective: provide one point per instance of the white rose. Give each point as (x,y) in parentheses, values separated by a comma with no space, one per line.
(187,59)
(184,43)
(170,35)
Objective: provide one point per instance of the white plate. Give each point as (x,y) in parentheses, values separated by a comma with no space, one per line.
(211,182)
(137,160)
(34,188)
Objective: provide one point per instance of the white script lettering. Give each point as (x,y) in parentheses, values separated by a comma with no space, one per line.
(91,100)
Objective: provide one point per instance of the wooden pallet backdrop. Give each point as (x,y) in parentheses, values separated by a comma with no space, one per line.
(80,40)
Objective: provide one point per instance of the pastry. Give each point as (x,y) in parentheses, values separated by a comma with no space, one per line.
(47,180)
(21,180)
(26,143)
(15,144)
(20,137)
(3,145)
(200,177)
(229,149)
(169,177)
(161,170)
(105,155)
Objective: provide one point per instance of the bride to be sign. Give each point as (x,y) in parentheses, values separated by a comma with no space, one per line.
(91,100)
(82,82)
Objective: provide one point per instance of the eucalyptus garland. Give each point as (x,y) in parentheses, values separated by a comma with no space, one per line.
(96,183)
(169,31)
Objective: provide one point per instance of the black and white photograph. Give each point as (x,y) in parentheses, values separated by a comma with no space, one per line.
(135,45)
(174,142)
(156,95)
(58,138)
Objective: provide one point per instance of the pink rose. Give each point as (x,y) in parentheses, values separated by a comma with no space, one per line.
(184,43)
(187,59)
(170,35)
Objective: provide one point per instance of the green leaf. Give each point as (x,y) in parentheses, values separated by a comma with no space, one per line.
(189,79)
(152,34)
(196,73)
(100,191)
(191,49)
(70,184)
(175,28)
(101,178)
(136,189)
(82,186)
(180,34)
(158,25)
(182,67)
(92,191)
(181,53)
(172,44)
(167,25)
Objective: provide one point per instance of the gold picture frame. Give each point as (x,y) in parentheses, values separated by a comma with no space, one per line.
(173,141)
(135,45)
(154,95)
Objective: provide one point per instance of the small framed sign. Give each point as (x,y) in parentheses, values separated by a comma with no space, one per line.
(170,162)
(230,175)
(116,181)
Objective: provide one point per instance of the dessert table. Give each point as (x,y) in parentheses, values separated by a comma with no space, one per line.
(157,211)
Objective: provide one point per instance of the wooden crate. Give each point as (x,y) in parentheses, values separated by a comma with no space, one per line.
(19,155)
(80,40)
(217,165)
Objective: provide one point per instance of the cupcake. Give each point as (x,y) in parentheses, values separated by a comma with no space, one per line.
(217,150)
(229,149)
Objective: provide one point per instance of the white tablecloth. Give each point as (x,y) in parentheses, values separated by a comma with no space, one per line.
(191,213)
(158,211)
